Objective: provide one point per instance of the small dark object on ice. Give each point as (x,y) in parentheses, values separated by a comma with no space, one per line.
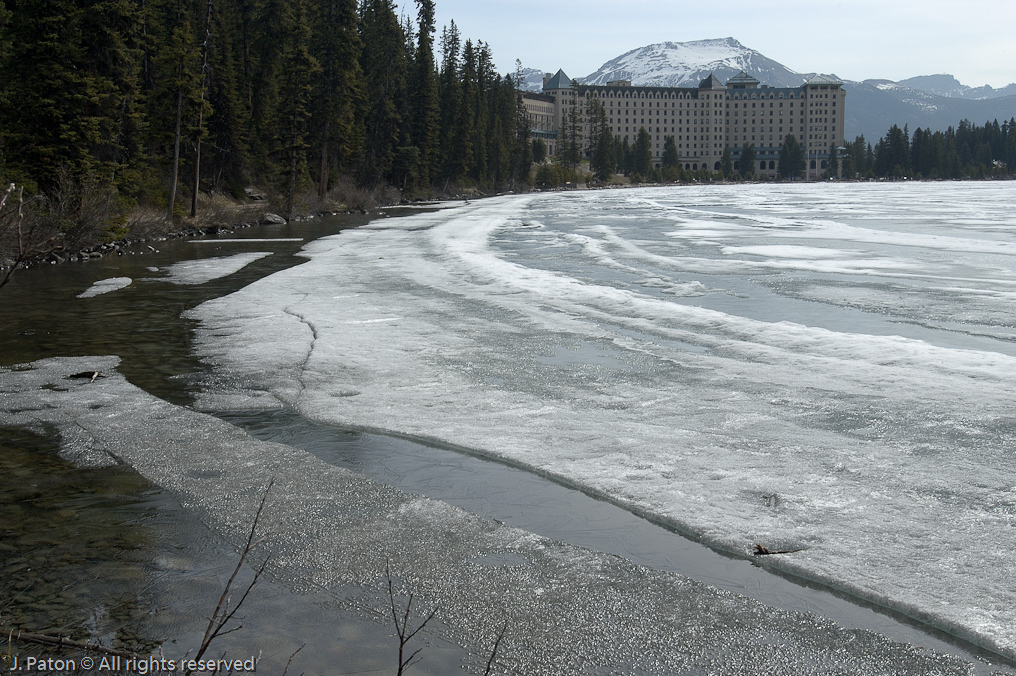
(91,375)
(762,550)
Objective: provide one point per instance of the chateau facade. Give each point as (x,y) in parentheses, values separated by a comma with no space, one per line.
(703,120)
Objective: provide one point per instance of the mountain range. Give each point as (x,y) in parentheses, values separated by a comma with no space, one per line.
(930,101)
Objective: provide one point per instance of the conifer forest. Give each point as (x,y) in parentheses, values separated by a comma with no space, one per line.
(158,101)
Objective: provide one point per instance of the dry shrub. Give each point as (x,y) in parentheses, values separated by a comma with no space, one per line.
(74,215)
(347,194)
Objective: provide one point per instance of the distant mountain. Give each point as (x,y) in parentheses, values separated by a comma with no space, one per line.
(875,105)
(949,87)
(931,102)
(685,64)
(532,80)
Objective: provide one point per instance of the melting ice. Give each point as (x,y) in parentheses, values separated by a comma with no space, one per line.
(820,368)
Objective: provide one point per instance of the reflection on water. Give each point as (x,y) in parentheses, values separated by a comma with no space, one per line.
(140,323)
(74,545)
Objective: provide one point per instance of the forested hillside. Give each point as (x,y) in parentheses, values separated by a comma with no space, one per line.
(160,100)
(965,151)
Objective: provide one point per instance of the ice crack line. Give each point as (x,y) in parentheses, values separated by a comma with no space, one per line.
(302,367)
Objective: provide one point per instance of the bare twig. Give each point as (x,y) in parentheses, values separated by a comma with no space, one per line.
(402,628)
(26,249)
(223,614)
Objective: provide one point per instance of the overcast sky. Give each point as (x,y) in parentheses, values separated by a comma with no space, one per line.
(856,40)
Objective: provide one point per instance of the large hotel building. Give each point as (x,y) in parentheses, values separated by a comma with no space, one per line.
(703,120)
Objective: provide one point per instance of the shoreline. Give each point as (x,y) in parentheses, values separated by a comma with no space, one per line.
(118,247)
(456,561)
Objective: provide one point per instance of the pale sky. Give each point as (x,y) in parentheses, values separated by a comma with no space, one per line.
(856,40)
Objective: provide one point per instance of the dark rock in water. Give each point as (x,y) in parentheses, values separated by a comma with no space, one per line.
(272,219)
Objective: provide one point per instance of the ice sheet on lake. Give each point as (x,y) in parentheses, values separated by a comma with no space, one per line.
(330,532)
(105,286)
(206,269)
(799,402)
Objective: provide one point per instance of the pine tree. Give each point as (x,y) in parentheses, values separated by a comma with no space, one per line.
(204,108)
(571,140)
(834,162)
(450,96)
(426,113)
(227,129)
(642,155)
(727,163)
(671,159)
(791,163)
(601,142)
(523,160)
(338,89)
(178,75)
(267,43)
(384,72)
(746,163)
(297,70)
(70,75)
(539,150)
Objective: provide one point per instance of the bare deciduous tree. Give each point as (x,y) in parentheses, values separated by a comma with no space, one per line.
(15,237)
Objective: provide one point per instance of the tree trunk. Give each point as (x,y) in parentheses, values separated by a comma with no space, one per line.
(176,151)
(291,196)
(323,185)
(201,112)
(197,172)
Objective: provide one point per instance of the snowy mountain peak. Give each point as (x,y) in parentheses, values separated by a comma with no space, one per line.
(685,64)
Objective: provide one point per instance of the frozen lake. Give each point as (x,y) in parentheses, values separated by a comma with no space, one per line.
(826,369)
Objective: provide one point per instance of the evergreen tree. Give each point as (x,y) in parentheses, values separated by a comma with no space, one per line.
(298,69)
(384,67)
(671,159)
(227,128)
(539,151)
(267,41)
(204,108)
(834,161)
(727,164)
(601,142)
(892,153)
(71,91)
(178,78)
(746,164)
(642,154)
(451,99)
(426,113)
(792,162)
(523,160)
(337,90)
(571,139)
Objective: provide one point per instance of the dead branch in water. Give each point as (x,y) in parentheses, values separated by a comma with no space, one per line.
(223,614)
(402,628)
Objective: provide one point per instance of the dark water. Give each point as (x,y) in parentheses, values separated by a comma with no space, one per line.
(101,554)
